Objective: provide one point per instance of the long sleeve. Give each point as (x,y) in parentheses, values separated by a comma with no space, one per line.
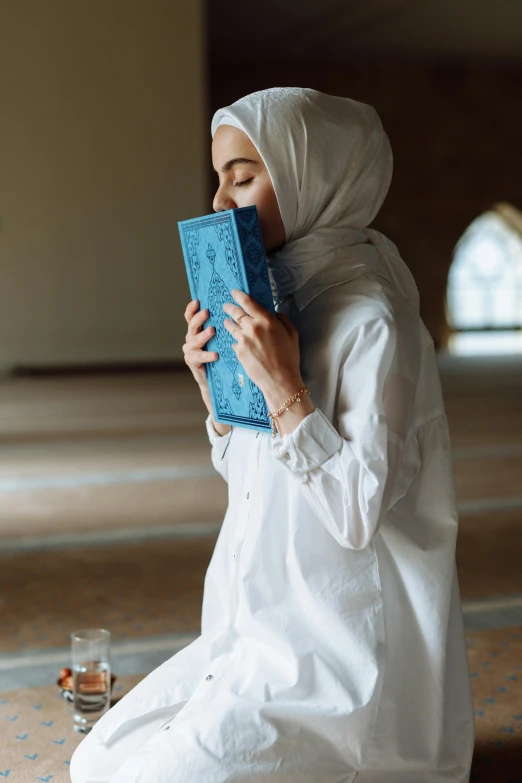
(219,444)
(353,475)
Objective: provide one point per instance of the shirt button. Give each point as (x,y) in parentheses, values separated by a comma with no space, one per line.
(248,495)
(166,728)
(209,677)
(287,455)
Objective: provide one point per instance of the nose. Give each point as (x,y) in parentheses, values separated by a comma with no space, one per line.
(222,201)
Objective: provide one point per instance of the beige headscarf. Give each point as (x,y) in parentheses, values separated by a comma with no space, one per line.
(331,164)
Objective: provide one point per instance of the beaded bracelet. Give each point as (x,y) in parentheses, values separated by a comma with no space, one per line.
(296,398)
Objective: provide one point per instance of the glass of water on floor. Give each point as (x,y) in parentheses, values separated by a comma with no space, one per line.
(91,670)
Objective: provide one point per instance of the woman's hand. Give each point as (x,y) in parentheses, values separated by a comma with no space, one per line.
(195,339)
(267,346)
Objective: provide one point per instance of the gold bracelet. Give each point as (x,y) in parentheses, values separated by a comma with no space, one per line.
(295,398)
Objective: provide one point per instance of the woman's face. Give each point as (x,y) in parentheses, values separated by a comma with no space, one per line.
(244,180)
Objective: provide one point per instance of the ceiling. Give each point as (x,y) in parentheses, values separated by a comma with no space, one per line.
(312,30)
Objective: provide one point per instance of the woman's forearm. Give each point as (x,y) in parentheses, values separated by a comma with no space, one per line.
(221,429)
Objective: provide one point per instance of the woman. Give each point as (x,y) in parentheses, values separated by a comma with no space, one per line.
(332,646)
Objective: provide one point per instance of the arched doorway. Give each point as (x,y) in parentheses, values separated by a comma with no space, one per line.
(484,291)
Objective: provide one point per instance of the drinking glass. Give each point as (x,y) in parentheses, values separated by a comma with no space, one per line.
(91,669)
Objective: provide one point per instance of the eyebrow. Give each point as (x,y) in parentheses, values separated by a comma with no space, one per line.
(228,165)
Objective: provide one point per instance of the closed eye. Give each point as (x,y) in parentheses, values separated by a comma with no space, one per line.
(244,182)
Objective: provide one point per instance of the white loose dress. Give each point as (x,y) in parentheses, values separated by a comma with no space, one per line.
(332,645)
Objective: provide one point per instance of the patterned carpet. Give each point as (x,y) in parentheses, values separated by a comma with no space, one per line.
(495,659)
(137,590)
(133,590)
(38,739)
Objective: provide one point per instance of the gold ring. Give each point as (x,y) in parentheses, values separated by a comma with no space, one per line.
(240,317)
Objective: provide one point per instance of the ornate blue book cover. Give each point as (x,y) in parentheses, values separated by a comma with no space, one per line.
(223,251)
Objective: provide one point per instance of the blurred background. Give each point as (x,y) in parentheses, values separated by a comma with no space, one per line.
(109,505)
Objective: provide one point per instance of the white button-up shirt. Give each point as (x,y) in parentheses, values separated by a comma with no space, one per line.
(331,644)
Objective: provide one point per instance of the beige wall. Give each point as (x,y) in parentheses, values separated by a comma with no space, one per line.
(103,144)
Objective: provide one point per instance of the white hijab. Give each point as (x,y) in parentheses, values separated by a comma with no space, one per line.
(330,163)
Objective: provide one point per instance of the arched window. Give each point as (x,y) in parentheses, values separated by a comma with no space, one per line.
(484,292)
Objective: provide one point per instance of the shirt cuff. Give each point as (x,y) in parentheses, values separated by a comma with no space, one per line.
(313,441)
(213,436)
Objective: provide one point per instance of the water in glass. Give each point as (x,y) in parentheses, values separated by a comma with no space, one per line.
(92,692)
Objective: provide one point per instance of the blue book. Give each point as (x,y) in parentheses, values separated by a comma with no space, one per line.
(223,251)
